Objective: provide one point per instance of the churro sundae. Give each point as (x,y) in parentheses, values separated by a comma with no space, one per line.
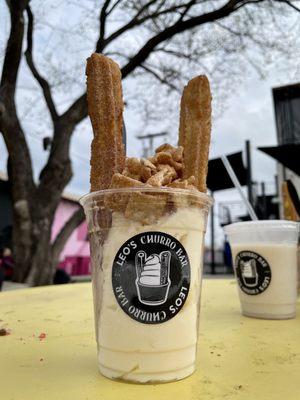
(146,219)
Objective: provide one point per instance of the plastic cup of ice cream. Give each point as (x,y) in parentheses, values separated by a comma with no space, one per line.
(146,255)
(264,255)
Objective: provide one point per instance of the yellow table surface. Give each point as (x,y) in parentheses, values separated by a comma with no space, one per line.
(238,357)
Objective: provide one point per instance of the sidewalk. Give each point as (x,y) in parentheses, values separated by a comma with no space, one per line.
(7,285)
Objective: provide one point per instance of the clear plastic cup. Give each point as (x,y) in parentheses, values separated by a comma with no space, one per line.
(264,255)
(146,254)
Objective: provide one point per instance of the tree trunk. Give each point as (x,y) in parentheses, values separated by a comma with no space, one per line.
(31,247)
(36,258)
(40,271)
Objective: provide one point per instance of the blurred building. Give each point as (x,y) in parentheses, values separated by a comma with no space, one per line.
(75,257)
(287,116)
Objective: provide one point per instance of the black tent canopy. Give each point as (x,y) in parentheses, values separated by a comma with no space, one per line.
(218,178)
(287,154)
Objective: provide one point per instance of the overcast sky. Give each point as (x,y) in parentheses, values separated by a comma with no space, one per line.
(248,115)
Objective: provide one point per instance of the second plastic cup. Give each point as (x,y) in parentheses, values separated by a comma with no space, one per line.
(264,255)
(146,253)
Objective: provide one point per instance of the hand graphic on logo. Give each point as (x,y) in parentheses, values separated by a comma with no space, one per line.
(152,281)
(249,273)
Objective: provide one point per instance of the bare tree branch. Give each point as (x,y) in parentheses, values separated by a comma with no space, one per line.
(178,27)
(29,58)
(246,2)
(289,3)
(102,25)
(14,46)
(136,21)
(19,166)
(20,171)
(194,56)
(78,110)
(159,78)
(241,34)
(186,10)
(113,6)
(57,172)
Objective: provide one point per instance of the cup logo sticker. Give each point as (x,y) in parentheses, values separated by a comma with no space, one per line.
(253,272)
(151,277)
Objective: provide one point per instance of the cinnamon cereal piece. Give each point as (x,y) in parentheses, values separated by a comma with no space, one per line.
(166,158)
(164,147)
(186,184)
(148,164)
(170,171)
(133,165)
(146,208)
(140,169)
(163,157)
(127,173)
(121,181)
(165,176)
(176,152)
(118,201)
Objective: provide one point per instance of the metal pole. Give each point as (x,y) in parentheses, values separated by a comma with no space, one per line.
(284,173)
(277,195)
(264,200)
(237,185)
(212,238)
(276,185)
(150,138)
(249,173)
(150,145)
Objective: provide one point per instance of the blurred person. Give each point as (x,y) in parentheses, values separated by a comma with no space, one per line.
(7,263)
(2,273)
(227,256)
(61,277)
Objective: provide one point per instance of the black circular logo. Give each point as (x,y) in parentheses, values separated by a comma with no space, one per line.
(253,272)
(151,277)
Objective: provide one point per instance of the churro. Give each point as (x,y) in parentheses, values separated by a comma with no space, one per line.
(194,130)
(119,105)
(105,107)
(175,152)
